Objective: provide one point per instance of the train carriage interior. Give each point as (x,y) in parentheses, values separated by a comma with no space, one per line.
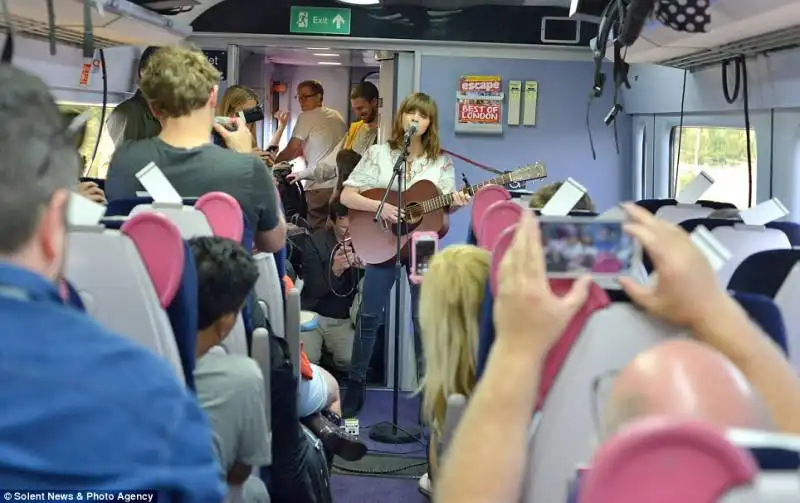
(688,108)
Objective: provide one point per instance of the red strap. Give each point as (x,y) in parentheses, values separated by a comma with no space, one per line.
(476,164)
(598,299)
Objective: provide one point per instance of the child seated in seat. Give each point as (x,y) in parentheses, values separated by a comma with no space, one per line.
(230,388)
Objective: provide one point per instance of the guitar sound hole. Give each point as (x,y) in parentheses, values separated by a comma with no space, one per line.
(414,213)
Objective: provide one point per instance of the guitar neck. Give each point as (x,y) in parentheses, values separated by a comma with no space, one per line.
(446,200)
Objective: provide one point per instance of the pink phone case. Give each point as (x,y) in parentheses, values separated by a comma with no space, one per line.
(415,238)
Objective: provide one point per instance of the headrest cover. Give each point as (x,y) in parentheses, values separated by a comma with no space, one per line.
(484,198)
(663,460)
(498,217)
(161,249)
(224,215)
(502,243)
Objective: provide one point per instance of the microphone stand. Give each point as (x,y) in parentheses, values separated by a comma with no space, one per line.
(386,432)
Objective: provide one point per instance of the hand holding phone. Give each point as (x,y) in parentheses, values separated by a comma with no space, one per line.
(576,246)
(424,246)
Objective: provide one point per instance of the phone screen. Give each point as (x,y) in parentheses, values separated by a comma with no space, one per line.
(588,247)
(424,250)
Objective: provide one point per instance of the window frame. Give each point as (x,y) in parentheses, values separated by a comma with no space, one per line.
(759,124)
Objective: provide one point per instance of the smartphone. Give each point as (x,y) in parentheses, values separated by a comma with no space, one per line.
(249,116)
(423,247)
(575,246)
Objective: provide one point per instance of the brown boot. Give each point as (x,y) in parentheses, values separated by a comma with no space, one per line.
(335,438)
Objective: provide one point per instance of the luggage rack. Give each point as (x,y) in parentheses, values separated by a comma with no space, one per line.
(114,23)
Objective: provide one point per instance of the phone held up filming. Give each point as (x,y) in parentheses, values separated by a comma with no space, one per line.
(424,246)
(578,246)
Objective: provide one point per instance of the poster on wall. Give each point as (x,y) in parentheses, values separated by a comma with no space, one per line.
(479,104)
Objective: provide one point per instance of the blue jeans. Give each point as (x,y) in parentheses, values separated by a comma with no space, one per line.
(378,282)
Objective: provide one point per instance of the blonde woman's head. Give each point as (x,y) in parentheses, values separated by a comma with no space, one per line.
(450,300)
(238,98)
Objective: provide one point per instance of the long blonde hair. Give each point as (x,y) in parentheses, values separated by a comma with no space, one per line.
(424,104)
(450,299)
(233,102)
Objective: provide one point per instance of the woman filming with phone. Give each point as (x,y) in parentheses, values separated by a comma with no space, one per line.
(239,99)
(425,161)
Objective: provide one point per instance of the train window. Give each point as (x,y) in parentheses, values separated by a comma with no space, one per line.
(105,149)
(719,151)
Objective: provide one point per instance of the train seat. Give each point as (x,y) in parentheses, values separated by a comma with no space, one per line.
(602,338)
(483,199)
(791,229)
(766,314)
(787,299)
(716,205)
(131,276)
(706,465)
(680,212)
(743,241)
(269,290)
(213,214)
(123,207)
(653,205)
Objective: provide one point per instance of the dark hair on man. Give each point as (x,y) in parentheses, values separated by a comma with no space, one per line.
(145,57)
(365,90)
(337,211)
(314,86)
(226,274)
(39,155)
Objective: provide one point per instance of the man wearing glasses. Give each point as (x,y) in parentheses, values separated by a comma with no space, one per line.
(318,132)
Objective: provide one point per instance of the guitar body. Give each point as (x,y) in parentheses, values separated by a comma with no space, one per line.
(376,244)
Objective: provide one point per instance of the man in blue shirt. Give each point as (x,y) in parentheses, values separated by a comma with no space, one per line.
(83,408)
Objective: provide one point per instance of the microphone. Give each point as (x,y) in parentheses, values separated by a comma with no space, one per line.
(411,131)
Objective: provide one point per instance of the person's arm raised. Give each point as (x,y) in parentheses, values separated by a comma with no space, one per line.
(687,294)
(487,457)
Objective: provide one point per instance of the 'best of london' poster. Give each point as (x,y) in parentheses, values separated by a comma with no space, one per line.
(479,104)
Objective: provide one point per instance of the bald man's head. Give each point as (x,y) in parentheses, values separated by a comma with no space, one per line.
(686,379)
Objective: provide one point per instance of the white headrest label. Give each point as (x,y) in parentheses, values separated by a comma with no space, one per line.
(696,188)
(565,199)
(764,213)
(157,185)
(715,252)
(82,211)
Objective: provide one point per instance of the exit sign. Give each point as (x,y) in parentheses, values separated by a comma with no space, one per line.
(319,21)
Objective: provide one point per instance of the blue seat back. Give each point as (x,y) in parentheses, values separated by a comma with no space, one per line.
(764,272)
(709,223)
(486,334)
(791,229)
(653,205)
(183,314)
(766,315)
(716,205)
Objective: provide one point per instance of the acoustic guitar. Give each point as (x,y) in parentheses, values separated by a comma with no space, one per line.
(425,210)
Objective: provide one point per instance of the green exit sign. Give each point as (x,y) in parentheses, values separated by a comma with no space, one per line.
(320,21)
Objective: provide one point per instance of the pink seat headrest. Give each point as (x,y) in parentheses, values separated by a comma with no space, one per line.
(161,249)
(502,243)
(498,217)
(484,198)
(224,215)
(663,460)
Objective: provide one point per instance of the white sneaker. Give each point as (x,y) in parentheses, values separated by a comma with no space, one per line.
(424,485)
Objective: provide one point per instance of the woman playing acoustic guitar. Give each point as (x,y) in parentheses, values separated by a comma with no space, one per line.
(425,162)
